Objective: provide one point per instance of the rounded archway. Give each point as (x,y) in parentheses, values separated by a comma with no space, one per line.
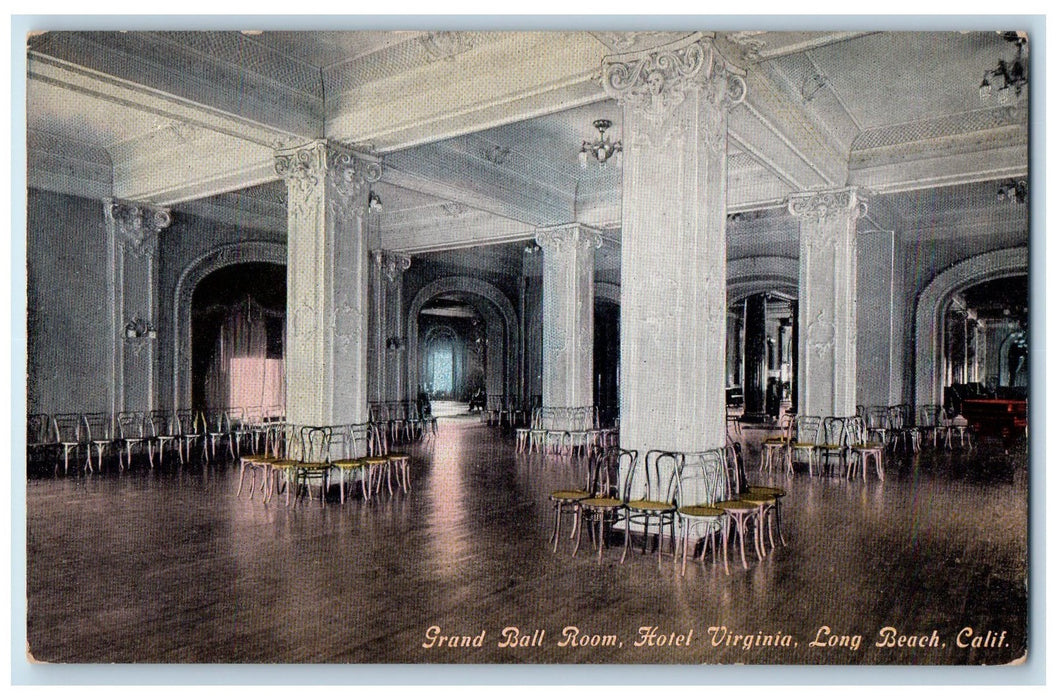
(499,319)
(933,304)
(197,270)
(238,315)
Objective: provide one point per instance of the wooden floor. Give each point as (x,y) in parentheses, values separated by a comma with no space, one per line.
(169,566)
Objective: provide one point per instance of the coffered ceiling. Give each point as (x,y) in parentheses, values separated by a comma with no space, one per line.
(480,130)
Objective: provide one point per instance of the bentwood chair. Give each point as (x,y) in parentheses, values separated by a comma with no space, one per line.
(877,429)
(830,443)
(71,435)
(603,507)
(701,482)
(776,449)
(101,435)
(902,429)
(314,465)
(862,450)
(567,501)
(768,501)
(930,418)
(648,496)
(805,439)
(131,434)
(259,464)
(162,433)
(39,441)
(349,445)
(191,427)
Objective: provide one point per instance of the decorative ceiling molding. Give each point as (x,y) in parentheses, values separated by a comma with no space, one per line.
(940,127)
(180,64)
(466,94)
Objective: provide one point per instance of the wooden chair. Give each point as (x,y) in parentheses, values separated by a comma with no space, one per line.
(313,467)
(804,440)
(70,434)
(101,435)
(700,483)
(862,450)
(131,434)
(604,506)
(831,442)
(777,449)
(649,492)
(162,432)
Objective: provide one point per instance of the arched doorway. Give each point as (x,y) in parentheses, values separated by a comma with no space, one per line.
(762,354)
(237,316)
(985,342)
(463,300)
(930,328)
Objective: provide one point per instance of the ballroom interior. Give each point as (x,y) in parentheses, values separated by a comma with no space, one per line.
(496,260)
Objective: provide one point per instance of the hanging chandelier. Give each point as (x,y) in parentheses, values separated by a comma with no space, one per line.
(601,149)
(1010,79)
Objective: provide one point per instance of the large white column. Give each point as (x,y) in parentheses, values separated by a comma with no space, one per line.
(568,313)
(828,281)
(133,231)
(327,283)
(673,244)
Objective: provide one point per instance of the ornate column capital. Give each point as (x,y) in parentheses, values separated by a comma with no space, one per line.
(347,174)
(555,238)
(850,201)
(137,225)
(655,82)
(390,263)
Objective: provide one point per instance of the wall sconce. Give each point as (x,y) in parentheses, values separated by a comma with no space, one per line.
(394,343)
(374,202)
(138,328)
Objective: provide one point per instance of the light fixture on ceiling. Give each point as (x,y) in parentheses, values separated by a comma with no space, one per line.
(1013,191)
(1009,80)
(601,149)
(374,202)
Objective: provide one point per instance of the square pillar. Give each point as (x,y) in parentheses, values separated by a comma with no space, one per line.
(133,231)
(327,282)
(393,269)
(568,314)
(880,313)
(827,298)
(673,297)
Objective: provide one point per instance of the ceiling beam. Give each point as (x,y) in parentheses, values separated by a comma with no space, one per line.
(478,89)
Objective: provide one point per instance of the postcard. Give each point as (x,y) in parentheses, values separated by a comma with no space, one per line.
(671,347)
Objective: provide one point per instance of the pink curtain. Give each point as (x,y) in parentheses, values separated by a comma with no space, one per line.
(241,373)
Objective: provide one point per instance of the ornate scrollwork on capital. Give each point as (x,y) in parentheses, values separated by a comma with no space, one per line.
(555,239)
(350,176)
(655,83)
(302,168)
(820,205)
(389,264)
(137,225)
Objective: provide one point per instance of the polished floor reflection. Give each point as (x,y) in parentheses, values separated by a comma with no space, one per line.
(169,566)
